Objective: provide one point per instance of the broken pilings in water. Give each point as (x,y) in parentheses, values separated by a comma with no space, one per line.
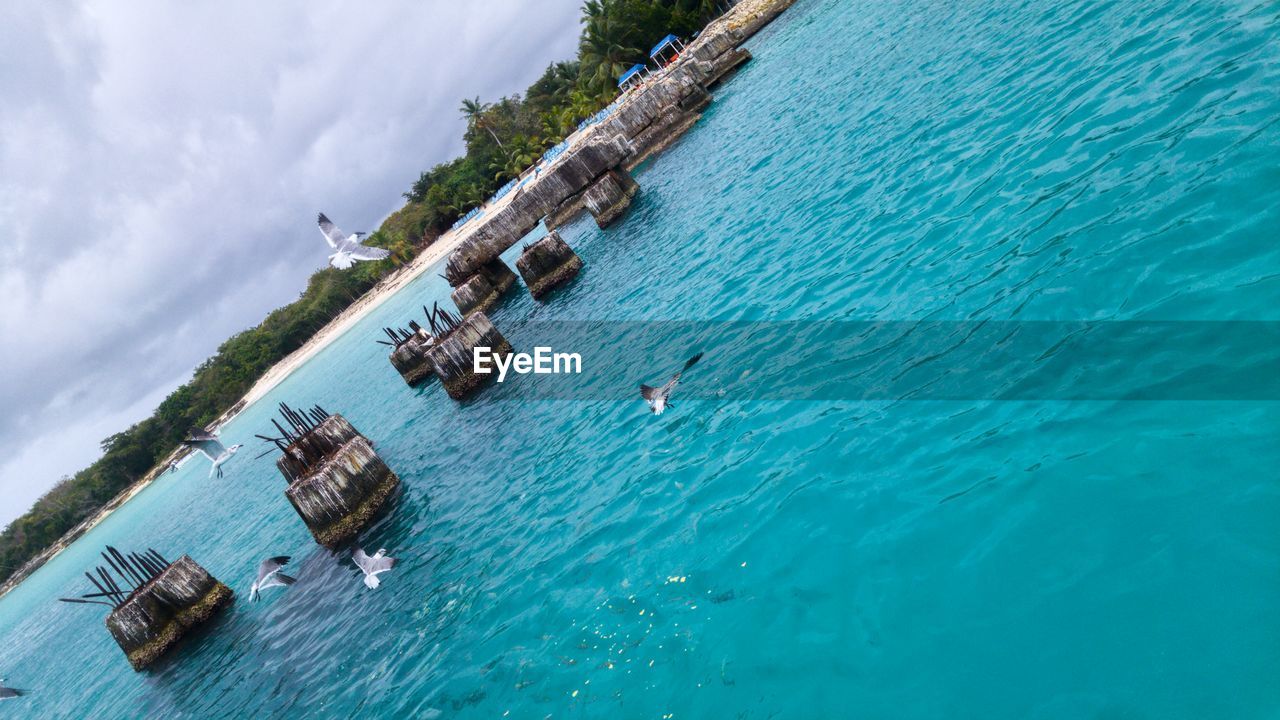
(163,603)
(453,355)
(337,482)
(610,196)
(482,291)
(547,264)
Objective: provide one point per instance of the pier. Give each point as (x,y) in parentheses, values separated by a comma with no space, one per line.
(593,174)
(154,603)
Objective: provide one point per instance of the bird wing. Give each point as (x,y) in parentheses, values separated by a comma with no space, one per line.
(382,564)
(207,443)
(6,693)
(277,579)
(368,252)
(648,393)
(332,234)
(271,565)
(379,563)
(361,560)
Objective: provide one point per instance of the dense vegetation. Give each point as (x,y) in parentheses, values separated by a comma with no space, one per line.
(502,139)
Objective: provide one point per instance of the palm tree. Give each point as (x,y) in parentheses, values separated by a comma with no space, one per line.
(605,55)
(605,50)
(474,111)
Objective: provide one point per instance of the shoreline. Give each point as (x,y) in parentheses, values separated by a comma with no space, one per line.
(352,314)
(747,17)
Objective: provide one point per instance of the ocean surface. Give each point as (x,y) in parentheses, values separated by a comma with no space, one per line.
(974,557)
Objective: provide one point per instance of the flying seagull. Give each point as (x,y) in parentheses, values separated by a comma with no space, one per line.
(209,446)
(269,576)
(658,397)
(372,566)
(349,249)
(8,693)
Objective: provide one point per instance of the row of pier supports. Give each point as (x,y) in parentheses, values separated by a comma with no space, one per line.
(337,482)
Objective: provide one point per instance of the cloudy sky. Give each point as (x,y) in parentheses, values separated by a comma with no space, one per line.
(161,166)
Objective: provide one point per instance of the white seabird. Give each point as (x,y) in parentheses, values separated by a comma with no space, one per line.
(269,576)
(658,398)
(8,693)
(211,447)
(372,566)
(348,247)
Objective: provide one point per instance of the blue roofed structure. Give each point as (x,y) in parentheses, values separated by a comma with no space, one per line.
(667,49)
(631,76)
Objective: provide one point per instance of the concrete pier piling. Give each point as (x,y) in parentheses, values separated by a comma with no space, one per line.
(500,277)
(475,295)
(410,359)
(482,291)
(337,482)
(409,351)
(155,603)
(453,359)
(610,196)
(548,264)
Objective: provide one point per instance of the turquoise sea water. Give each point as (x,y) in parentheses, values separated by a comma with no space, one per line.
(922,559)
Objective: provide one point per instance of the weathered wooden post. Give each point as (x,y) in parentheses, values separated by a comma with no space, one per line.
(155,603)
(548,264)
(453,355)
(337,482)
(609,196)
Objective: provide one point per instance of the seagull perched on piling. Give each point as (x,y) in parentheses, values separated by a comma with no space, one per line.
(372,566)
(349,249)
(8,693)
(658,397)
(211,447)
(269,576)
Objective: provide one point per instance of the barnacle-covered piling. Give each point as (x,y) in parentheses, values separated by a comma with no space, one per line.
(155,603)
(547,264)
(610,196)
(337,481)
(453,355)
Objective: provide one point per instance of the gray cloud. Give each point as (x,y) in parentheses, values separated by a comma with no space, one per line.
(160,167)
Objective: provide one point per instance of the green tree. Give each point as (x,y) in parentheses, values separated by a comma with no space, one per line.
(474,111)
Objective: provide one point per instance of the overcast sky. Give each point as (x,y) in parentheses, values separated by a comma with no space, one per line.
(161,166)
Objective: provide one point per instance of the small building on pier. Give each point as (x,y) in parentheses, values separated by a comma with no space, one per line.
(666,51)
(632,77)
